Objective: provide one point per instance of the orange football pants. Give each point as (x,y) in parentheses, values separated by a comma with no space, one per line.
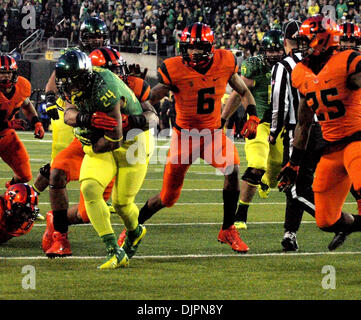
(14,154)
(69,160)
(335,173)
(185,148)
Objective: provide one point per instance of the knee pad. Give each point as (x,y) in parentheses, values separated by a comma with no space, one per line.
(91,190)
(253,176)
(45,171)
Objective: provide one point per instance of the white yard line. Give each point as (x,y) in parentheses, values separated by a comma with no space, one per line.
(198,256)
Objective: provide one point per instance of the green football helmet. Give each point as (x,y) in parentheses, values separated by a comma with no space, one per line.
(73,74)
(272,46)
(93,34)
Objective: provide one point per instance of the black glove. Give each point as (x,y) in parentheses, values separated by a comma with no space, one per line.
(51,106)
(287,177)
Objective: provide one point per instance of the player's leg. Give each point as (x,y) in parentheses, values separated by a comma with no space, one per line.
(65,167)
(14,154)
(132,163)
(222,154)
(92,188)
(257,151)
(332,181)
(173,177)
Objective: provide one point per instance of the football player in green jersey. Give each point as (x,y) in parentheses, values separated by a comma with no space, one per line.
(89,91)
(264,160)
(93,34)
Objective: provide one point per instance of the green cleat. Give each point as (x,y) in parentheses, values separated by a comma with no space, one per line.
(116,258)
(263,190)
(131,243)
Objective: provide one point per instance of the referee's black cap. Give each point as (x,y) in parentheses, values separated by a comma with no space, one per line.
(291,28)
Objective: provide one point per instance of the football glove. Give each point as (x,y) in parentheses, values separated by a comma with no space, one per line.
(39,130)
(99,120)
(287,177)
(18,124)
(51,106)
(134,70)
(249,130)
(133,121)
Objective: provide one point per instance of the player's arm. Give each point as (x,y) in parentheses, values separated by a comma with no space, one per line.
(30,113)
(289,172)
(150,114)
(241,96)
(109,122)
(354,80)
(158,93)
(50,98)
(111,138)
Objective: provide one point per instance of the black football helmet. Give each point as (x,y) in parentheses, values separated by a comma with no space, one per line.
(273,46)
(73,74)
(93,34)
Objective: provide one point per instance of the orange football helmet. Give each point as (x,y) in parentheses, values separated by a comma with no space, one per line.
(317,34)
(197,36)
(20,201)
(351,36)
(8,64)
(110,58)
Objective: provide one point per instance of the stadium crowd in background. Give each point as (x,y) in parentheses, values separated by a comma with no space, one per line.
(134,25)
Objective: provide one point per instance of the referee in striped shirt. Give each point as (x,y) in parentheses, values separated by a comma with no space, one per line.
(285,100)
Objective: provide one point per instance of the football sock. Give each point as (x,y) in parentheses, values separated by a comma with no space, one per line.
(134,234)
(60,221)
(145,213)
(96,207)
(356,225)
(242,211)
(230,199)
(129,214)
(110,240)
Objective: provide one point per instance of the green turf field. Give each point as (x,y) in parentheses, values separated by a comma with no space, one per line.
(180,258)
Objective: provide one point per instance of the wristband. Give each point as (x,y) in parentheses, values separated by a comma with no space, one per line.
(113,140)
(296,157)
(50,97)
(251,110)
(34,120)
(82,120)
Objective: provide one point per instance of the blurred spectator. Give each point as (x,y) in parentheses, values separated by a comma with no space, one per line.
(5,45)
(341,9)
(56,13)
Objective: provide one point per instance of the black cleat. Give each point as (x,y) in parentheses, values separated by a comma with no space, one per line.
(289,242)
(337,240)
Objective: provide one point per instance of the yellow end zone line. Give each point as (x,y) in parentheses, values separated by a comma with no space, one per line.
(196,256)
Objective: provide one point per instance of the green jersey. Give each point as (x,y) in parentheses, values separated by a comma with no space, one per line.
(256,69)
(106,92)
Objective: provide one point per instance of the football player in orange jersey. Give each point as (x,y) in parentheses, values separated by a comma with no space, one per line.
(18,211)
(15,92)
(66,165)
(329,82)
(198,79)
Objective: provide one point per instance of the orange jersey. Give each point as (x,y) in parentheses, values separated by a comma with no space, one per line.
(198,96)
(10,106)
(140,87)
(337,106)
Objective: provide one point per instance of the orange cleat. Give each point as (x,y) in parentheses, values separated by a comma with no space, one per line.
(122,237)
(60,247)
(231,237)
(47,240)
